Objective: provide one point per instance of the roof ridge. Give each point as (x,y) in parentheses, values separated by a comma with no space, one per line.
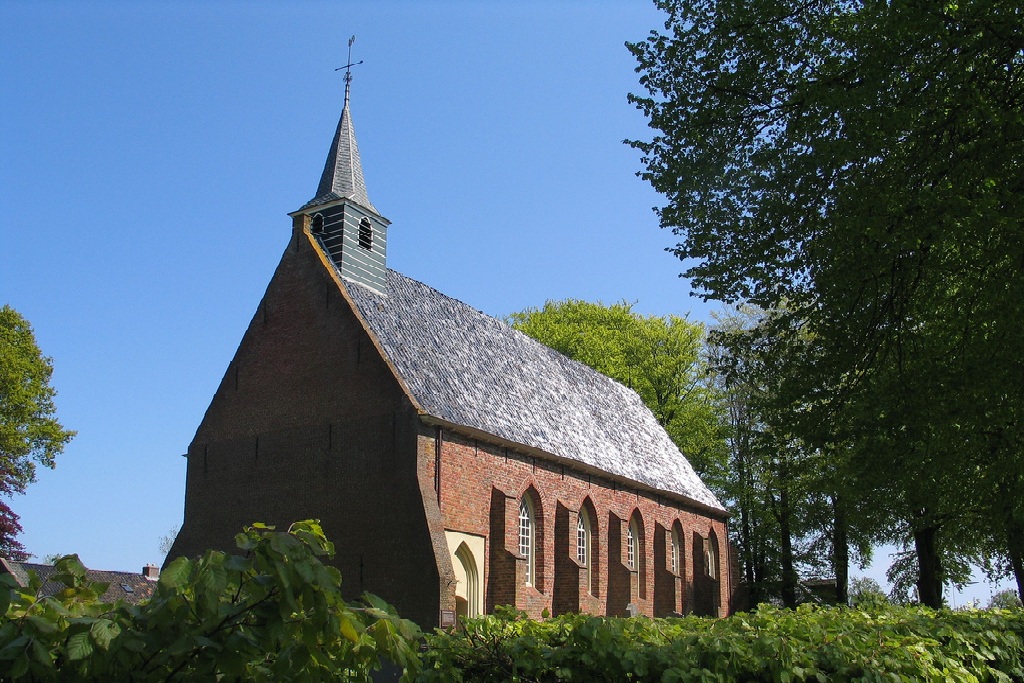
(442,294)
(43,565)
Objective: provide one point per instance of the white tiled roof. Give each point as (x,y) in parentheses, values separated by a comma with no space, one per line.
(469,369)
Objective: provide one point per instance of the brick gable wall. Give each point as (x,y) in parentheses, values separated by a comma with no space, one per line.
(309,422)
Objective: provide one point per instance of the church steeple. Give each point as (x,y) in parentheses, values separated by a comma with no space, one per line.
(340,216)
(343,171)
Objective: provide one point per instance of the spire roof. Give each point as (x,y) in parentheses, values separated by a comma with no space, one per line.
(343,172)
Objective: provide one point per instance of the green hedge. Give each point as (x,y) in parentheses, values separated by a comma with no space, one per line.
(769,644)
(273,613)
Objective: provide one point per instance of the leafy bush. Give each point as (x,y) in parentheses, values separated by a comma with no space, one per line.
(866,593)
(274,613)
(769,644)
(1005,599)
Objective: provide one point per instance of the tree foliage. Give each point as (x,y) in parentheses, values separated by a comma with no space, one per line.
(273,613)
(794,514)
(1005,599)
(856,166)
(662,358)
(866,593)
(29,430)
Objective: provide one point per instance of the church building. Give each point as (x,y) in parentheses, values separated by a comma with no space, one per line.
(456,463)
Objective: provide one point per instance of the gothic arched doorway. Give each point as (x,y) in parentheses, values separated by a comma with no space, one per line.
(468,598)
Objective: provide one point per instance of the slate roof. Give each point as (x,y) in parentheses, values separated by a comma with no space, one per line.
(342,177)
(126,586)
(469,369)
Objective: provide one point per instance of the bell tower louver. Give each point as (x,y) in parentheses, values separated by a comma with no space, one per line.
(340,215)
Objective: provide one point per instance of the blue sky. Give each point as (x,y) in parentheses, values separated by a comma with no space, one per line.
(151,151)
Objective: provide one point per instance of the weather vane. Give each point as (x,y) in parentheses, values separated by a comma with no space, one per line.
(348,67)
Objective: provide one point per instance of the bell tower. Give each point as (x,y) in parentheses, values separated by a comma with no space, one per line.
(349,228)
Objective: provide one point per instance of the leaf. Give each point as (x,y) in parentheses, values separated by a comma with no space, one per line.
(79,646)
(176,573)
(237,563)
(103,632)
(348,630)
(41,653)
(41,624)
(20,666)
(12,649)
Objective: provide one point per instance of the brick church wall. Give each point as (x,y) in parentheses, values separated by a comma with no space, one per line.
(309,422)
(479,486)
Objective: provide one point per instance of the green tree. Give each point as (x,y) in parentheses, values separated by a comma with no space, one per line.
(273,613)
(796,515)
(1004,599)
(857,165)
(865,592)
(29,430)
(661,358)
(759,500)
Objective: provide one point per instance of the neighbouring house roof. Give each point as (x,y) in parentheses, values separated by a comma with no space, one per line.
(126,586)
(467,368)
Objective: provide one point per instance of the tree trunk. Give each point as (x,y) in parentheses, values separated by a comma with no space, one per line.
(1015,547)
(1014,532)
(929,566)
(744,500)
(840,550)
(753,557)
(748,551)
(752,562)
(788,569)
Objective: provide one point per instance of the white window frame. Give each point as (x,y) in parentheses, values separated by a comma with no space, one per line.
(676,551)
(584,546)
(528,538)
(583,539)
(632,545)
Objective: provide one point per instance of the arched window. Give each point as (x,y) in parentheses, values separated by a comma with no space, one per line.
(527,538)
(365,234)
(316,226)
(632,545)
(584,546)
(677,550)
(711,558)
(583,539)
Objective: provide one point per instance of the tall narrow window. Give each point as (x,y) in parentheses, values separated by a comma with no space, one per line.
(711,558)
(583,547)
(526,537)
(582,539)
(632,545)
(676,551)
(365,234)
